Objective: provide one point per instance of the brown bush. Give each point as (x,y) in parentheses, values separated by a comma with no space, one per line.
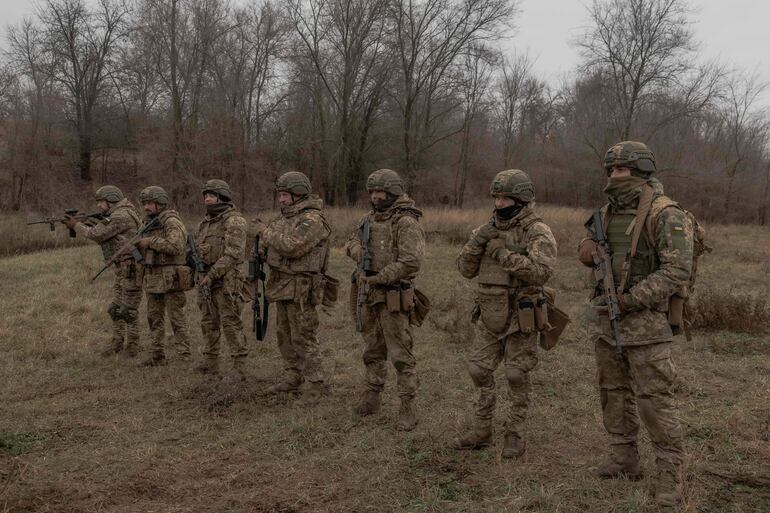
(726,309)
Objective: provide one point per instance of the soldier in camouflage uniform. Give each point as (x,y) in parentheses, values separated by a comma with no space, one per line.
(513,256)
(119,224)
(166,277)
(297,246)
(397,248)
(221,241)
(638,381)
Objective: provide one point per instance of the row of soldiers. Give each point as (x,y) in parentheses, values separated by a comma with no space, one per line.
(512,257)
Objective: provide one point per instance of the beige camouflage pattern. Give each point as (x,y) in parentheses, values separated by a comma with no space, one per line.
(119,225)
(297,245)
(529,261)
(221,243)
(168,245)
(640,382)
(397,248)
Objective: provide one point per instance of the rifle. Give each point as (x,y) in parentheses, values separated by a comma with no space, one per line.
(200,270)
(364,269)
(603,273)
(256,275)
(68,212)
(129,246)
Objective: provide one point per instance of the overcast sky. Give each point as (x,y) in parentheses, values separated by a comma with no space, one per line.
(735,32)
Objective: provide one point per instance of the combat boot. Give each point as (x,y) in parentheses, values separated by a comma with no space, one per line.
(513,446)
(623,463)
(208,366)
(406,418)
(132,350)
(479,437)
(667,487)
(368,404)
(312,393)
(237,373)
(290,384)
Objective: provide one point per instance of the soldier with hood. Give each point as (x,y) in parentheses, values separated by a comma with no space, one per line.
(513,256)
(297,252)
(396,247)
(650,241)
(119,223)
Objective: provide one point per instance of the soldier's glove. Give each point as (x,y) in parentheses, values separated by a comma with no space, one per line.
(627,303)
(496,249)
(485,234)
(586,252)
(259,227)
(143,243)
(377,279)
(355,253)
(70,222)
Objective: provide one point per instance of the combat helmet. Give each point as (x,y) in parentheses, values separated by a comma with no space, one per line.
(632,154)
(108,193)
(295,183)
(155,194)
(386,180)
(218,187)
(513,183)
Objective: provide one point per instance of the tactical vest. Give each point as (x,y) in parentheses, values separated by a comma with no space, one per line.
(383,246)
(314,261)
(160,259)
(211,237)
(490,270)
(124,213)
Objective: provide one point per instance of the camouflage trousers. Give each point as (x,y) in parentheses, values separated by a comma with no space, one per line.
(518,354)
(222,316)
(298,341)
(124,309)
(639,384)
(387,334)
(157,305)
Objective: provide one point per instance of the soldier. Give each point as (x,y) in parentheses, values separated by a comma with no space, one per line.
(397,246)
(166,277)
(120,223)
(637,381)
(221,241)
(513,256)
(297,246)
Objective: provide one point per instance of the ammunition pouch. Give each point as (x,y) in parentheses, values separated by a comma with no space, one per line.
(420,309)
(676,312)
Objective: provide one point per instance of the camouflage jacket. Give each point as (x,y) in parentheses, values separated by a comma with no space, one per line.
(221,243)
(646,320)
(396,244)
(169,241)
(297,246)
(120,224)
(531,252)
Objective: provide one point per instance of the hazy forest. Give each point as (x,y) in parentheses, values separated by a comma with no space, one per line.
(171,92)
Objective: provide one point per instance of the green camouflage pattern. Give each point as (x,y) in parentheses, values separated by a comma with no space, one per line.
(120,224)
(108,193)
(155,194)
(513,183)
(385,180)
(632,154)
(218,187)
(295,183)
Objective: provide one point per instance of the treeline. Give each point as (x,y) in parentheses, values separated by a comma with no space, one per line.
(175,91)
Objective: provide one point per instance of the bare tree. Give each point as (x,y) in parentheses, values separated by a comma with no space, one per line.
(644,49)
(430,35)
(82,44)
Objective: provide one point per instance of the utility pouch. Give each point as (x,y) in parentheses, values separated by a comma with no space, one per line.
(494,303)
(421,308)
(558,321)
(331,290)
(316,289)
(676,313)
(407,296)
(149,257)
(541,314)
(393,299)
(184,277)
(526,313)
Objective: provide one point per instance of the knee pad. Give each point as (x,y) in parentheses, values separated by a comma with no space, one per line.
(480,376)
(132,314)
(516,377)
(112,311)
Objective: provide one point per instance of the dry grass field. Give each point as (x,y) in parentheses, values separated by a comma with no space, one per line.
(81,433)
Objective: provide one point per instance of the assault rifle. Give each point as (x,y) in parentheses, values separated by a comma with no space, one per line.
(257,275)
(200,271)
(130,246)
(603,272)
(364,269)
(68,212)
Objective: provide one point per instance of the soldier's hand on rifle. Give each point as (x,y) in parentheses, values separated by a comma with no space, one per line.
(70,221)
(626,303)
(586,252)
(205,282)
(496,249)
(143,243)
(485,234)
(259,227)
(377,279)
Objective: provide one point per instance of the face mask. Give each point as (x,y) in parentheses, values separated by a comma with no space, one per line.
(621,185)
(216,209)
(385,204)
(509,212)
